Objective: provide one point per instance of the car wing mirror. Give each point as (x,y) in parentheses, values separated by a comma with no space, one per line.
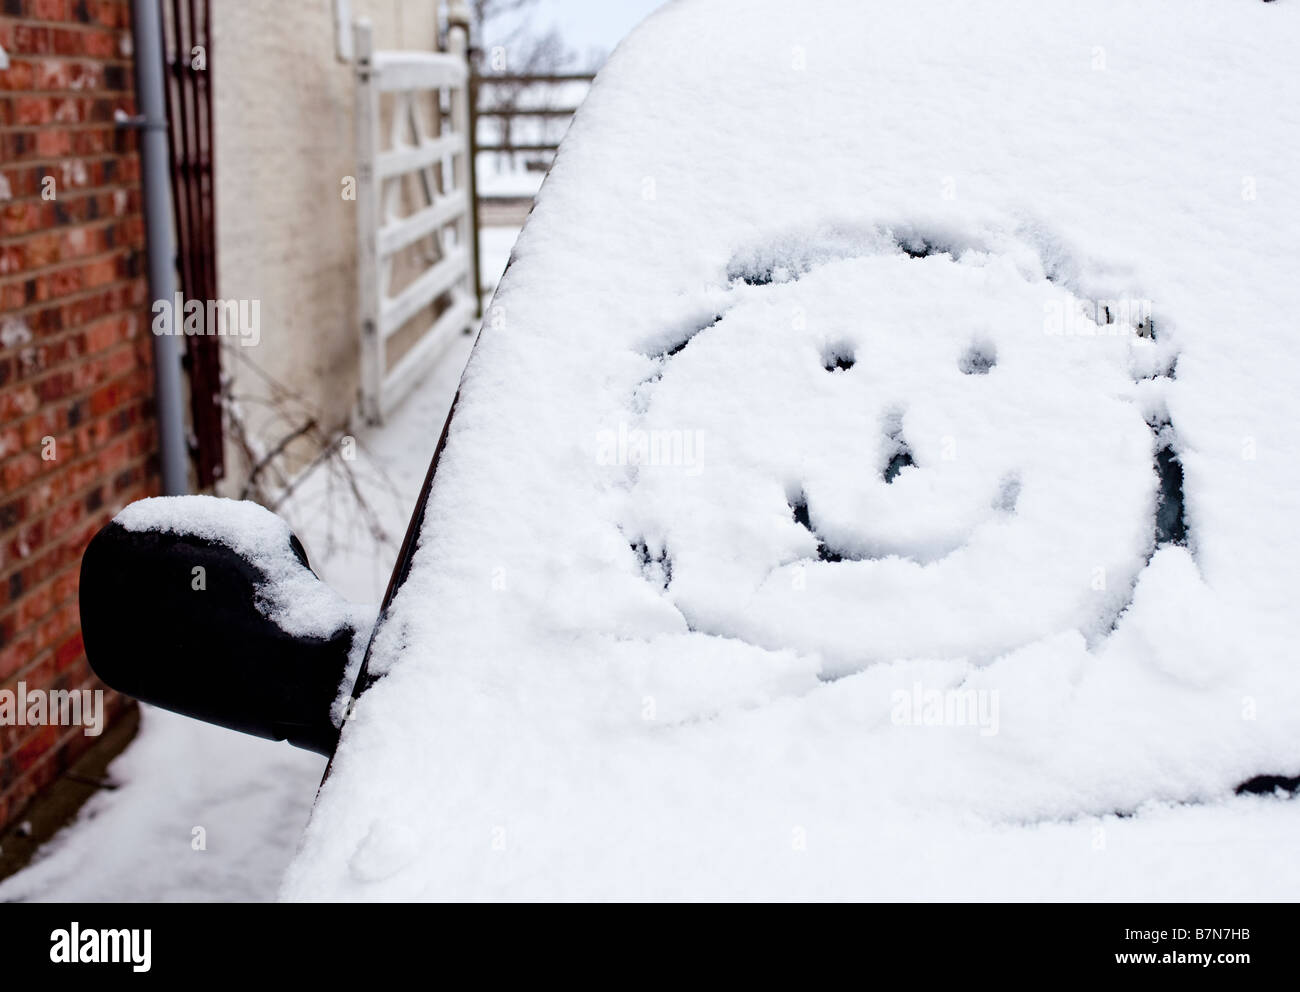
(208,607)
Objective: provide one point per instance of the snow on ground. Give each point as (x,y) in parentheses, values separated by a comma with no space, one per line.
(494,245)
(500,179)
(872,476)
(138,843)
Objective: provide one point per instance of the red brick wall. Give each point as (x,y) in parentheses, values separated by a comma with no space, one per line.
(74,348)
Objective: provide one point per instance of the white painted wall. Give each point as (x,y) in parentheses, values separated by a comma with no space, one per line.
(283,118)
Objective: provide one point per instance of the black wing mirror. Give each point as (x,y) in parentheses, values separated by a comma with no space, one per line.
(209,608)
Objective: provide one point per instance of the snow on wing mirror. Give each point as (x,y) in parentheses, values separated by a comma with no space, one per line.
(208,607)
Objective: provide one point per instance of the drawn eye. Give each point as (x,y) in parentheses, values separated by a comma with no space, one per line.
(838,357)
(978,359)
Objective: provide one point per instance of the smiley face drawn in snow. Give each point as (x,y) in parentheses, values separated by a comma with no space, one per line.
(903,452)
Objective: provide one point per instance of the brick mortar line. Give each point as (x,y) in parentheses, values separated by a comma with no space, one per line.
(36,623)
(82,455)
(123,60)
(54,125)
(65,365)
(32,22)
(90,683)
(74,398)
(34,590)
(31,773)
(57,604)
(63,24)
(62,160)
(62,126)
(43,654)
(59,368)
(125,64)
(65,737)
(77,297)
(72,263)
(45,22)
(49,756)
(74,192)
(14,240)
(40,656)
(36,480)
(90,91)
(96,92)
(55,338)
(46,653)
(76,496)
(23,201)
(41,270)
(50,337)
(56,163)
(79,493)
(80,27)
(86,92)
(68,400)
(67,732)
(86,683)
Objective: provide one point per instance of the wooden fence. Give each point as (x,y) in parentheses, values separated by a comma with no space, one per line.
(447,288)
(486,104)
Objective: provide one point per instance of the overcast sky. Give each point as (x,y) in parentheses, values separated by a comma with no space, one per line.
(591,23)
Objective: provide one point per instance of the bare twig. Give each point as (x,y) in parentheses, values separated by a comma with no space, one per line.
(272,477)
(275,452)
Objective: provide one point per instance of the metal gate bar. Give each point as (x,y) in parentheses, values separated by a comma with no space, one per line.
(188,43)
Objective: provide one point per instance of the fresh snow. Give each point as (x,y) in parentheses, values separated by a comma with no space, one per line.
(495,245)
(797,533)
(196,814)
(496,179)
(291,596)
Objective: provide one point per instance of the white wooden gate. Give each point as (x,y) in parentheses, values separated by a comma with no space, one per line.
(441,221)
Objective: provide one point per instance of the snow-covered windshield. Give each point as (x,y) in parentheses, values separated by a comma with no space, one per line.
(885,427)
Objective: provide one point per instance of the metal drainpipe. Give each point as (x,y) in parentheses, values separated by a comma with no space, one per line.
(458,20)
(146,36)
